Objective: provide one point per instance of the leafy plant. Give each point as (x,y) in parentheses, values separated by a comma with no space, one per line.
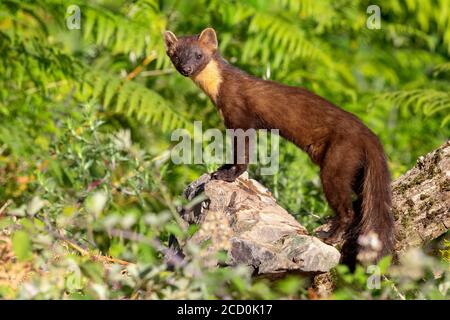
(88,196)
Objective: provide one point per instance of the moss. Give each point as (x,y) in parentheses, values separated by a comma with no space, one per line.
(444,185)
(430,215)
(418,179)
(410,203)
(409,213)
(426,205)
(396,213)
(433,168)
(400,235)
(406,218)
(401,189)
(423,196)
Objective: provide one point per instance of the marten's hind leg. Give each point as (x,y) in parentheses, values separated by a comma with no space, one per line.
(338,173)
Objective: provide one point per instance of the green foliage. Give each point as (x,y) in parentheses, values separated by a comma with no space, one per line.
(86,117)
(428,101)
(446,251)
(135,100)
(21,245)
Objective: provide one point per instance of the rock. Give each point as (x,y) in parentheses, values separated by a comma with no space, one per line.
(243,219)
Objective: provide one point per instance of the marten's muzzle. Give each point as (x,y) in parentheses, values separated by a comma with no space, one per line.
(186,71)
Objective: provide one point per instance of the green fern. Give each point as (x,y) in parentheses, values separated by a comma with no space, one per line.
(289,41)
(140,33)
(421,13)
(427,101)
(134,100)
(408,33)
(442,68)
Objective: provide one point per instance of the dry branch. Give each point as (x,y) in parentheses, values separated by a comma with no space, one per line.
(421,200)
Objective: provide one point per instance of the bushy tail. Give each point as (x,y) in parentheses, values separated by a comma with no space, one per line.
(376,227)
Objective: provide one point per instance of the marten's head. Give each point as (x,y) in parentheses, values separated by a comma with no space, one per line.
(191,54)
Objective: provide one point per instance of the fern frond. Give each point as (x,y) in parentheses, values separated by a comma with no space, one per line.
(397,31)
(134,100)
(139,32)
(427,101)
(231,15)
(425,15)
(442,68)
(283,38)
(29,64)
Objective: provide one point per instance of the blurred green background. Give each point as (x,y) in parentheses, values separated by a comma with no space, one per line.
(86,114)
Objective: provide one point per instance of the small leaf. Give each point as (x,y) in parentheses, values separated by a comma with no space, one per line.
(35,205)
(289,285)
(384,264)
(96,203)
(22,246)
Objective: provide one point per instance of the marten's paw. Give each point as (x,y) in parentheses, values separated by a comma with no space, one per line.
(229,172)
(331,237)
(224,175)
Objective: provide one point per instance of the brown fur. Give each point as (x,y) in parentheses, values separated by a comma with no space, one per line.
(350,156)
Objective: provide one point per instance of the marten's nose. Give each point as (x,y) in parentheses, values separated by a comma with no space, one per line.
(187,70)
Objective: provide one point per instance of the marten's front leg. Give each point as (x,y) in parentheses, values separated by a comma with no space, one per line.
(230,171)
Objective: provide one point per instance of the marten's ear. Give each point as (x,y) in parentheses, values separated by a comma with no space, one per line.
(208,38)
(170,39)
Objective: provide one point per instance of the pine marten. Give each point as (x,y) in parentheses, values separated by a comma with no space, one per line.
(350,156)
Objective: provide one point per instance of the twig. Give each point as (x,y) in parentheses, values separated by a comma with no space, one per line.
(153,73)
(165,194)
(3,208)
(74,245)
(86,253)
(402,297)
(155,243)
(139,68)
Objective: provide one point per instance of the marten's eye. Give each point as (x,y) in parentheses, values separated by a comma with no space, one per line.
(199,56)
